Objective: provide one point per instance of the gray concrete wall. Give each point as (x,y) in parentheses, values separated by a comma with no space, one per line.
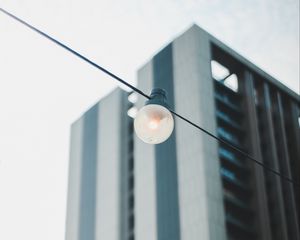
(200,191)
(109,167)
(73,202)
(97,171)
(145,181)
(182,176)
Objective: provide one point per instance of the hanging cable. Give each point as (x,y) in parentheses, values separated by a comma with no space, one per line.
(236,149)
(74,52)
(240,151)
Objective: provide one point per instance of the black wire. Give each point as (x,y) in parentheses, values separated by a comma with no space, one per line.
(75,53)
(144,94)
(236,149)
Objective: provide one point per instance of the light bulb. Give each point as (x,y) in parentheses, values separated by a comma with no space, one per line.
(154,124)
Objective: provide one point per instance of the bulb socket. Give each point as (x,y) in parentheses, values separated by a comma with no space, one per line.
(158,96)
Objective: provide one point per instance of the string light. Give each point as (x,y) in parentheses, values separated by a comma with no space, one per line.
(154,123)
(148,97)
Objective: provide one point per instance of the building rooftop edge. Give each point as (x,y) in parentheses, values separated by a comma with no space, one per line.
(237,56)
(116,89)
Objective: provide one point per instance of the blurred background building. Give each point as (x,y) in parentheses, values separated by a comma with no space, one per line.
(190,187)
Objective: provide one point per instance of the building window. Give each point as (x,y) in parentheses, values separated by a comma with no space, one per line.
(228,136)
(131,182)
(255,96)
(131,222)
(228,174)
(131,202)
(225,153)
(131,164)
(130,144)
(223,116)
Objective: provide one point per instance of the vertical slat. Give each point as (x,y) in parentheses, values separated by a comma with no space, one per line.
(293,222)
(274,160)
(261,196)
(295,139)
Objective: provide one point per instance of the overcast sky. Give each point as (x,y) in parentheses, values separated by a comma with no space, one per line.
(43,89)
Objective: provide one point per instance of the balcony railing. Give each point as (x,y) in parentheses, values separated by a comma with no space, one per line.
(230,177)
(225,100)
(228,120)
(237,223)
(228,136)
(224,153)
(230,197)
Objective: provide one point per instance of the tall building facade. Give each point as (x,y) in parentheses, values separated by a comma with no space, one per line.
(100,192)
(190,187)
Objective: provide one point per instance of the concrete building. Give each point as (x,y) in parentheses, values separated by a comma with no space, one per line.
(100,193)
(190,187)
